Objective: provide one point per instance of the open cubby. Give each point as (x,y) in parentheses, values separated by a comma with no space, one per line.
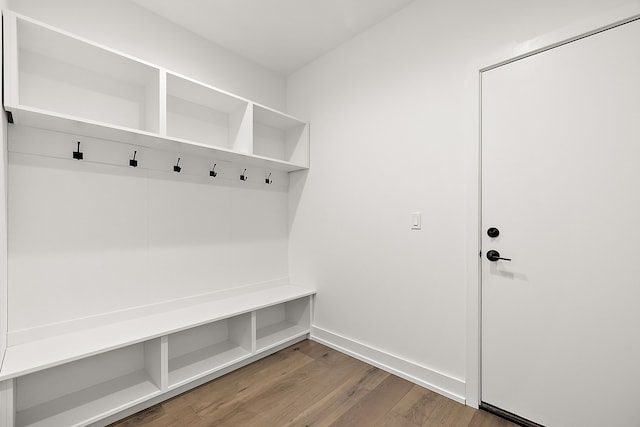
(86,390)
(64,75)
(282,322)
(280,137)
(202,114)
(199,351)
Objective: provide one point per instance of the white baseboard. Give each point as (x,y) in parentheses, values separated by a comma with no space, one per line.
(21,336)
(438,382)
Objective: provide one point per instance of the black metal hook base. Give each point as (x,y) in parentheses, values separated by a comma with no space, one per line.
(133,162)
(78,155)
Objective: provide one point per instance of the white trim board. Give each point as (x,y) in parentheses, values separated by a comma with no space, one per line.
(508,53)
(438,382)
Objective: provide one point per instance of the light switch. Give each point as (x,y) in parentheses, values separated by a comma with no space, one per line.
(416,221)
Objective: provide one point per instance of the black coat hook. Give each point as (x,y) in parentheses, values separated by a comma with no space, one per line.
(177,167)
(243,176)
(77,154)
(213,172)
(268,179)
(133,162)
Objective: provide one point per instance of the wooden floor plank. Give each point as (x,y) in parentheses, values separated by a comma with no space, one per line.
(309,384)
(424,407)
(375,405)
(290,395)
(245,388)
(395,420)
(328,409)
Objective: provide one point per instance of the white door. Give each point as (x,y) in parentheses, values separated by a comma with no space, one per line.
(561,183)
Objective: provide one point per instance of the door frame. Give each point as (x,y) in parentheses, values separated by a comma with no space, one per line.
(506,55)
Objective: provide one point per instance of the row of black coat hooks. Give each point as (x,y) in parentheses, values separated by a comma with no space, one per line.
(78,155)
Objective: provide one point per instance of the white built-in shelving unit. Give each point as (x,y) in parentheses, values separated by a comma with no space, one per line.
(57,81)
(82,377)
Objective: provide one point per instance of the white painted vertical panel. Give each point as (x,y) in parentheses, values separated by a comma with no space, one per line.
(78,241)
(10,59)
(7,403)
(162,102)
(298,312)
(241,129)
(153,361)
(189,236)
(5,94)
(164,362)
(254,328)
(154,104)
(259,231)
(240,331)
(297,145)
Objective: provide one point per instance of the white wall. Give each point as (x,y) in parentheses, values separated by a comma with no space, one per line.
(394,125)
(90,238)
(131,29)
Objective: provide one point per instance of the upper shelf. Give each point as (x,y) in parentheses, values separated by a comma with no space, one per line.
(56,80)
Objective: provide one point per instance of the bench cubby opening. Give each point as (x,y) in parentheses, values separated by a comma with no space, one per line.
(86,390)
(282,322)
(199,351)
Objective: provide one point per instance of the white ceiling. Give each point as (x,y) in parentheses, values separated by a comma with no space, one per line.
(282,35)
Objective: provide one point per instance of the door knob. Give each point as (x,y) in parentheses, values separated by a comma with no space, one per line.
(495,256)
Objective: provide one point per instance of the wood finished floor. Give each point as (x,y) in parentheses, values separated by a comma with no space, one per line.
(309,384)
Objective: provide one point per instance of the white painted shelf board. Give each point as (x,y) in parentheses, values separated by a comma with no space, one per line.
(271,336)
(275,119)
(267,111)
(200,363)
(41,119)
(201,94)
(37,355)
(91,404)
(50,42)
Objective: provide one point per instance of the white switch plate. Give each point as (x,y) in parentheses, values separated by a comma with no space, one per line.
(416,221)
